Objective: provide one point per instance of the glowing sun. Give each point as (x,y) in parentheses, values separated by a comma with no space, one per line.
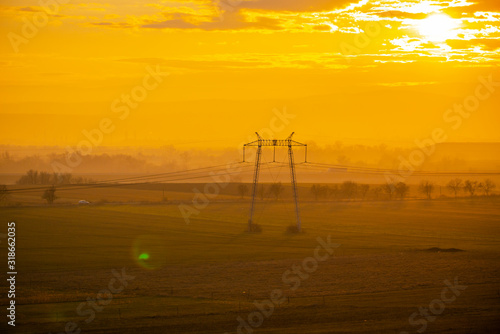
(438,27)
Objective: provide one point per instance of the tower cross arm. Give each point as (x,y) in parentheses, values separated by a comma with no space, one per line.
(275,142)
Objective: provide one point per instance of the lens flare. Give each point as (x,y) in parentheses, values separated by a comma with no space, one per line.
(149,252)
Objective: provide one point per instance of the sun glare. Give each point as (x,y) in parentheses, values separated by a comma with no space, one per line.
(438,27)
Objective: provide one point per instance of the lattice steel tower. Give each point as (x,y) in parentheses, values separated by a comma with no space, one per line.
(259,143)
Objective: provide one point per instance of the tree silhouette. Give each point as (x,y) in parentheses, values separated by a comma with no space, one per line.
(4,193)
(401,190)
(32,176)
(363,190)
(320,191)
(349,189)
(50,195)
(389,189)
(487,186)
(426,188)
(276,189)
(470,187)
(36,177)
(455,185)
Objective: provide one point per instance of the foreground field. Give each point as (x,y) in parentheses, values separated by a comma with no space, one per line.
(205,276)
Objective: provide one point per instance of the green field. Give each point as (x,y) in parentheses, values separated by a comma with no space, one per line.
(202,276)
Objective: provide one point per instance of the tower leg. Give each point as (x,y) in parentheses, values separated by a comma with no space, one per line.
(294,187)
(254,188)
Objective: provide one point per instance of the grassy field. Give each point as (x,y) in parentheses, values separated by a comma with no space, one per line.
(203,277)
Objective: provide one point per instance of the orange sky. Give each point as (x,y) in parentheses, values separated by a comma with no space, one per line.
(367,71)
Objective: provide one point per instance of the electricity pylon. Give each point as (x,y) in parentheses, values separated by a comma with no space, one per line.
(259,143)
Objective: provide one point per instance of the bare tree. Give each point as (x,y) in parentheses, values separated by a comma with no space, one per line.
(4,193)
(242,189)
(487,186)
(320,191)
(35,177)
(315,191)
(65,178)
(349,189)
(56,178)
(50,195)
(5,155)
(363,190)
(389,189)
(45,178)
(32,176)
(276,189)
(455,185)
(426,188)
(470,187)
(377,192)
(402,189)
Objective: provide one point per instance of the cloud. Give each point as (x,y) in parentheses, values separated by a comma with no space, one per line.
(400,15)
(334,21)
(248,61)
(485,44)
(407,83)
(205,63)
(295,5)
(111,24)
(29,9)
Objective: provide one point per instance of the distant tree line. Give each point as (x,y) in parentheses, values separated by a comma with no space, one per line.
(455,186)
(347,190)
(471,187)
(350,190)
(274,190)
(48,195)
(46,178)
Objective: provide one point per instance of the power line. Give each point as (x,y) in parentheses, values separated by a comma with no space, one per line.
(134,178)
(107,184)
(191,174)
(374,170)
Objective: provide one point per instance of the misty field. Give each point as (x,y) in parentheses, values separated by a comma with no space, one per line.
(205,276)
